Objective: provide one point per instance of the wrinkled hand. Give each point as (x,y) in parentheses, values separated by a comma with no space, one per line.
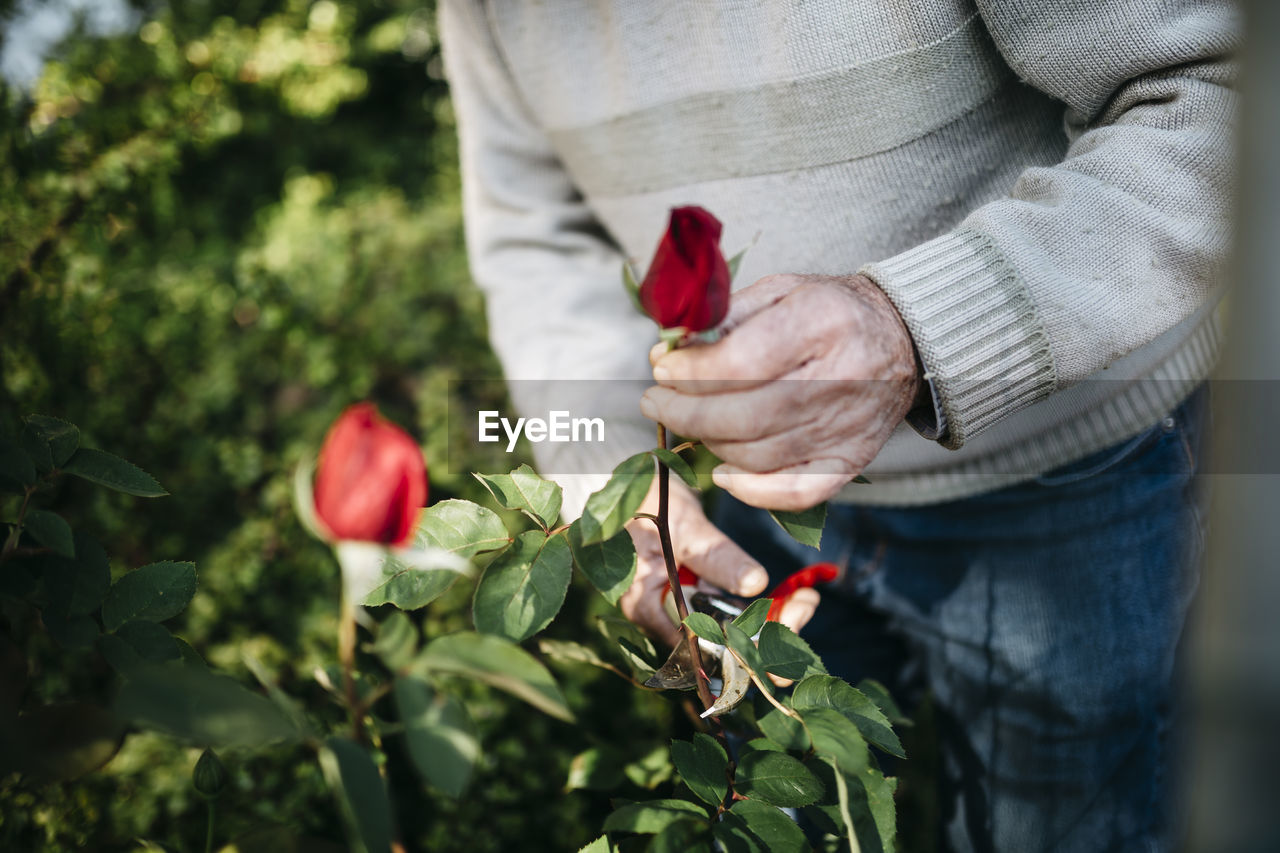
(701,547)
(811,379)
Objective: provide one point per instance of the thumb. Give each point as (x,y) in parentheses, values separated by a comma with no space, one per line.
(711,555)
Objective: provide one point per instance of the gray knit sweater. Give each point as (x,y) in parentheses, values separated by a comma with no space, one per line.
(1041,188)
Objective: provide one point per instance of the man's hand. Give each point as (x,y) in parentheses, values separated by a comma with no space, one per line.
(811,379)
(701,547)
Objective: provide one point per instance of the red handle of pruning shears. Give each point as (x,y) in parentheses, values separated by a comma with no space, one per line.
(809,576)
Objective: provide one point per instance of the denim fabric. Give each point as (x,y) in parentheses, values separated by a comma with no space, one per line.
(1044,620)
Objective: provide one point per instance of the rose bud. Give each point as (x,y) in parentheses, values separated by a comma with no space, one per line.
(371,481)
(688,282)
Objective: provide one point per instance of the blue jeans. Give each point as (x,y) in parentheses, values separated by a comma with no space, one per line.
(1043,619)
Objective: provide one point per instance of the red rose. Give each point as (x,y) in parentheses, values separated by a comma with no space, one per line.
(688,282)
(370,479)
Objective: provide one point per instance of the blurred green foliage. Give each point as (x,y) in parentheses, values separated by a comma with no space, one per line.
(215,233)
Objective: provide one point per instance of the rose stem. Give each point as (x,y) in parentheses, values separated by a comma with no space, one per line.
(673,574)
(347,656)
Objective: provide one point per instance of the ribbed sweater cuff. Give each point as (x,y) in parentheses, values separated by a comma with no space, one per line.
(975,327)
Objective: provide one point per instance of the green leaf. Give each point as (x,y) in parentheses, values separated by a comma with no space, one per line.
(37,449)
(825,691)
(874,813)
(154,592)
(69,631)
(702,764)
(681,468)
(636,648)
(524,490)
(613,506)
(62,742)
(442,741)
(651,769)
(16,469)
(862,480)
(776,778)
(397,641)
(752,619)
(63,438)
(705,627)
(138,644)
(600,845)
(595,769)
(51,531)
(753,825)
(566,651)
(362,797)
(785,731)
(631,287)
(879,694)
(199,706)
(736,639)
(609,565)
(523,590)
(652,816)
(410,584)
(499,663)
(462,528)
(805,526)
(787,655)
(835,736)
(736,261)
(111,471)
(689,835)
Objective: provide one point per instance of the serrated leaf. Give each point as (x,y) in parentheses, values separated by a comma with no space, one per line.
(202,707)
(705,627)
(497,662)
(681,468)
(835,736)
(613,506)
(106,469)
(825,691)
(804,526)
(522,591)
(595,769)
(776,778)
(397,641)
(362,799)
(691,835)
(652,816)
(702,764)
(609,565)
(879,694)
(785,731)
(752,619)
(50,530)
(36,448)
(407,578)
(138,645)
(787,655)
(462,528)
(154,592)
(760,826)
(524,490)
(736,639)
(873,810)
(16,468)
(442,741)
(62,437)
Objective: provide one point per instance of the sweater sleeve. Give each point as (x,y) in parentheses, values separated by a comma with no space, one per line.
(1096,256)
(550,274)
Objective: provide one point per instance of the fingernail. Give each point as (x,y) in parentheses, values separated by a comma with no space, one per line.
(648,409)
(661,373)
(753,582)
(720,476)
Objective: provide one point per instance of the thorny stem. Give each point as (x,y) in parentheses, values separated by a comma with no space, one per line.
(673,574)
